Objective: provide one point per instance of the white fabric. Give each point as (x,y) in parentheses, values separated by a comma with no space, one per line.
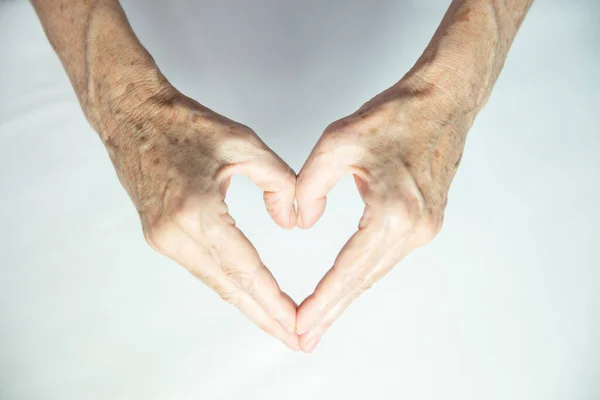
(504,304)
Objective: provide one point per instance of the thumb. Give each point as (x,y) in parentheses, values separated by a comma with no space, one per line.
(277,180)
(320,173)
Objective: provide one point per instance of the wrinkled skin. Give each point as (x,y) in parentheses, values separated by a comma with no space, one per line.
(175,158)
(403,148)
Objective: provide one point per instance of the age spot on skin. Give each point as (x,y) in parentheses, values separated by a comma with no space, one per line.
(187,141)
(111,144)
(173,117)
(143,138)
(463,16)
(129,87)
(436,153)
(156,161)
(373,131)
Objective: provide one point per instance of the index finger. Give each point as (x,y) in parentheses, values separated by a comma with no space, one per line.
(202,264)
(237,258)
(240,261)
(369,254)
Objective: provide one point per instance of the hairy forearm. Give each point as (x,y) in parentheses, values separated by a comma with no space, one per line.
(104,60)
(467,52)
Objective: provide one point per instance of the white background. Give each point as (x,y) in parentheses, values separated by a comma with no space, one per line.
(504,304)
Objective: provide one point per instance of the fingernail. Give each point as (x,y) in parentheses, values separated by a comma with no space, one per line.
(312,343)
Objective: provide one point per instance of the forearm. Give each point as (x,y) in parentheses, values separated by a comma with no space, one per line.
(104,60)
(467,52)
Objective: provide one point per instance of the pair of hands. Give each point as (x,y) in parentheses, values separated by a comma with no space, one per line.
(175,158)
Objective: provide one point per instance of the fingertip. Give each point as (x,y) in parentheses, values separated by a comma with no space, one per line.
(292,218)
(290,339)
(281,210)
(308,344)
(304,318)
(293,342)
(300,220)
(288,315)
(310,213)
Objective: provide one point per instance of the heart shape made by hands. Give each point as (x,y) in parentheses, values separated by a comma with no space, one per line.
(395,220)
(386,146)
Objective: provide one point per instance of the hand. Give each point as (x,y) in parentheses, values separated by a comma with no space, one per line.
(403,148)
(175,158)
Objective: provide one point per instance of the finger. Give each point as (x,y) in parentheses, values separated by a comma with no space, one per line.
(321,171)
(369,254)
(239,260)
(309,340)
(202,264)
(250,308)
(276,179)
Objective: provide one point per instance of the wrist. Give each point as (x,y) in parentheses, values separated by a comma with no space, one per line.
(122,92)
(120,74)
(454,80)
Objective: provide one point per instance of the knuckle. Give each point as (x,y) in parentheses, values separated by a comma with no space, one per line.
(428,229)
(241,143)
(159,235)
(361,285)
(247,280)
(182,215)
(400,218)
(411,217)
(250,283)
(341,125)
(334,134)
(232,297)
(187,214)
(205,121)
(407,212)
(239,133)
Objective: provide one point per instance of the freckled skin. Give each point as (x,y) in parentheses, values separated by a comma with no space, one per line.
(403,148)
(175,157)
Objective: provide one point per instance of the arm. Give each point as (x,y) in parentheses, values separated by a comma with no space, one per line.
(174,157)
(468,50)
(100,53)
(403,148)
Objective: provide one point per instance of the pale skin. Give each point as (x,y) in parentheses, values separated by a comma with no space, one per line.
(175,157)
